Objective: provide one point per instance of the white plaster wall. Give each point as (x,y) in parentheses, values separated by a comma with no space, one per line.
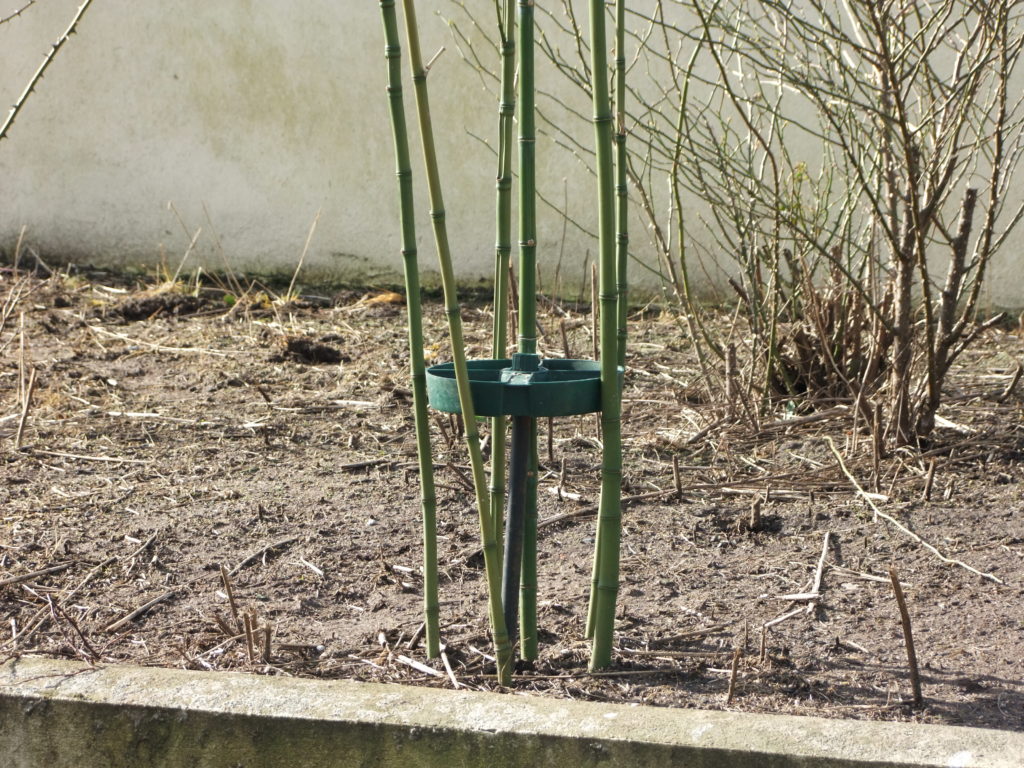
(249,116)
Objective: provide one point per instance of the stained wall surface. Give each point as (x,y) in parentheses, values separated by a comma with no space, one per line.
(247,117)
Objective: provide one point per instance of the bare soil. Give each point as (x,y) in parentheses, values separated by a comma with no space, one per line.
(170,435)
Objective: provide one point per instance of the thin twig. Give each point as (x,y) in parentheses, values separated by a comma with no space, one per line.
(448,668)
(733,670)
(929,480)
(819,573)
(418,666)
(157,347)
(139,611)
(25,406)
(903,529)
(18,12)
(592,510)
(261,552)
(908,637)
(1008,390)
(268,632)
(224,577)
(249,642)
(79,457)
(39,618)
(302,257)
(20,102)
(33,574)
(416,636)
(144,546)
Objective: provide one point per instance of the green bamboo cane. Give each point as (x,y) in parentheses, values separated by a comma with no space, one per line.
(527,184)
(428,498)
(492,557)
(503,247)
(528,311)
(528,580)
(621,240)
(621,189)
(606,550)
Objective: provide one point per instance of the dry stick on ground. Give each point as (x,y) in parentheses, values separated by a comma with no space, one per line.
(929,480)
(362,464)
(448,669)
(888,518)
(139,611)
(418,666)
(33,574)
(262,551)
(784,617)
(1008,390)
(21,359)
(754,524)
(80,457)
(158,347)
(224,577)
(676,654)
(732,675)
(249,644)
(908,638)
(55,609)
(694,634)
(268,632)
(592,510)
(223,625)
(142,547)
(820,572)
(416,636)
(39,618)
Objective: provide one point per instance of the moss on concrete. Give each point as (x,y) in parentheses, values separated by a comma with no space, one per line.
(60,714)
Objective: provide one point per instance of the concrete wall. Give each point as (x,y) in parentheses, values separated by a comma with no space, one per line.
(60,714)
(249,116)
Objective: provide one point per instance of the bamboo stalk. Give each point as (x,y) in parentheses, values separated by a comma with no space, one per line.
(527,184)
(527,343)
(528,582)
(503,245)
(515,520)
(606,547)
(492,557)
(621,188)
(428,497)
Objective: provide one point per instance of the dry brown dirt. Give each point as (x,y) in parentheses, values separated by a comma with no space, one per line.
(169,435)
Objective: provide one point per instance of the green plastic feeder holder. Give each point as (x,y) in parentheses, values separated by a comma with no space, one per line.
(521,387)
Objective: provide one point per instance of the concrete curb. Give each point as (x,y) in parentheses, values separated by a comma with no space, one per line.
(57,714)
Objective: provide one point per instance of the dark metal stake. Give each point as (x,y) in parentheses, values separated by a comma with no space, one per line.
(519,464)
